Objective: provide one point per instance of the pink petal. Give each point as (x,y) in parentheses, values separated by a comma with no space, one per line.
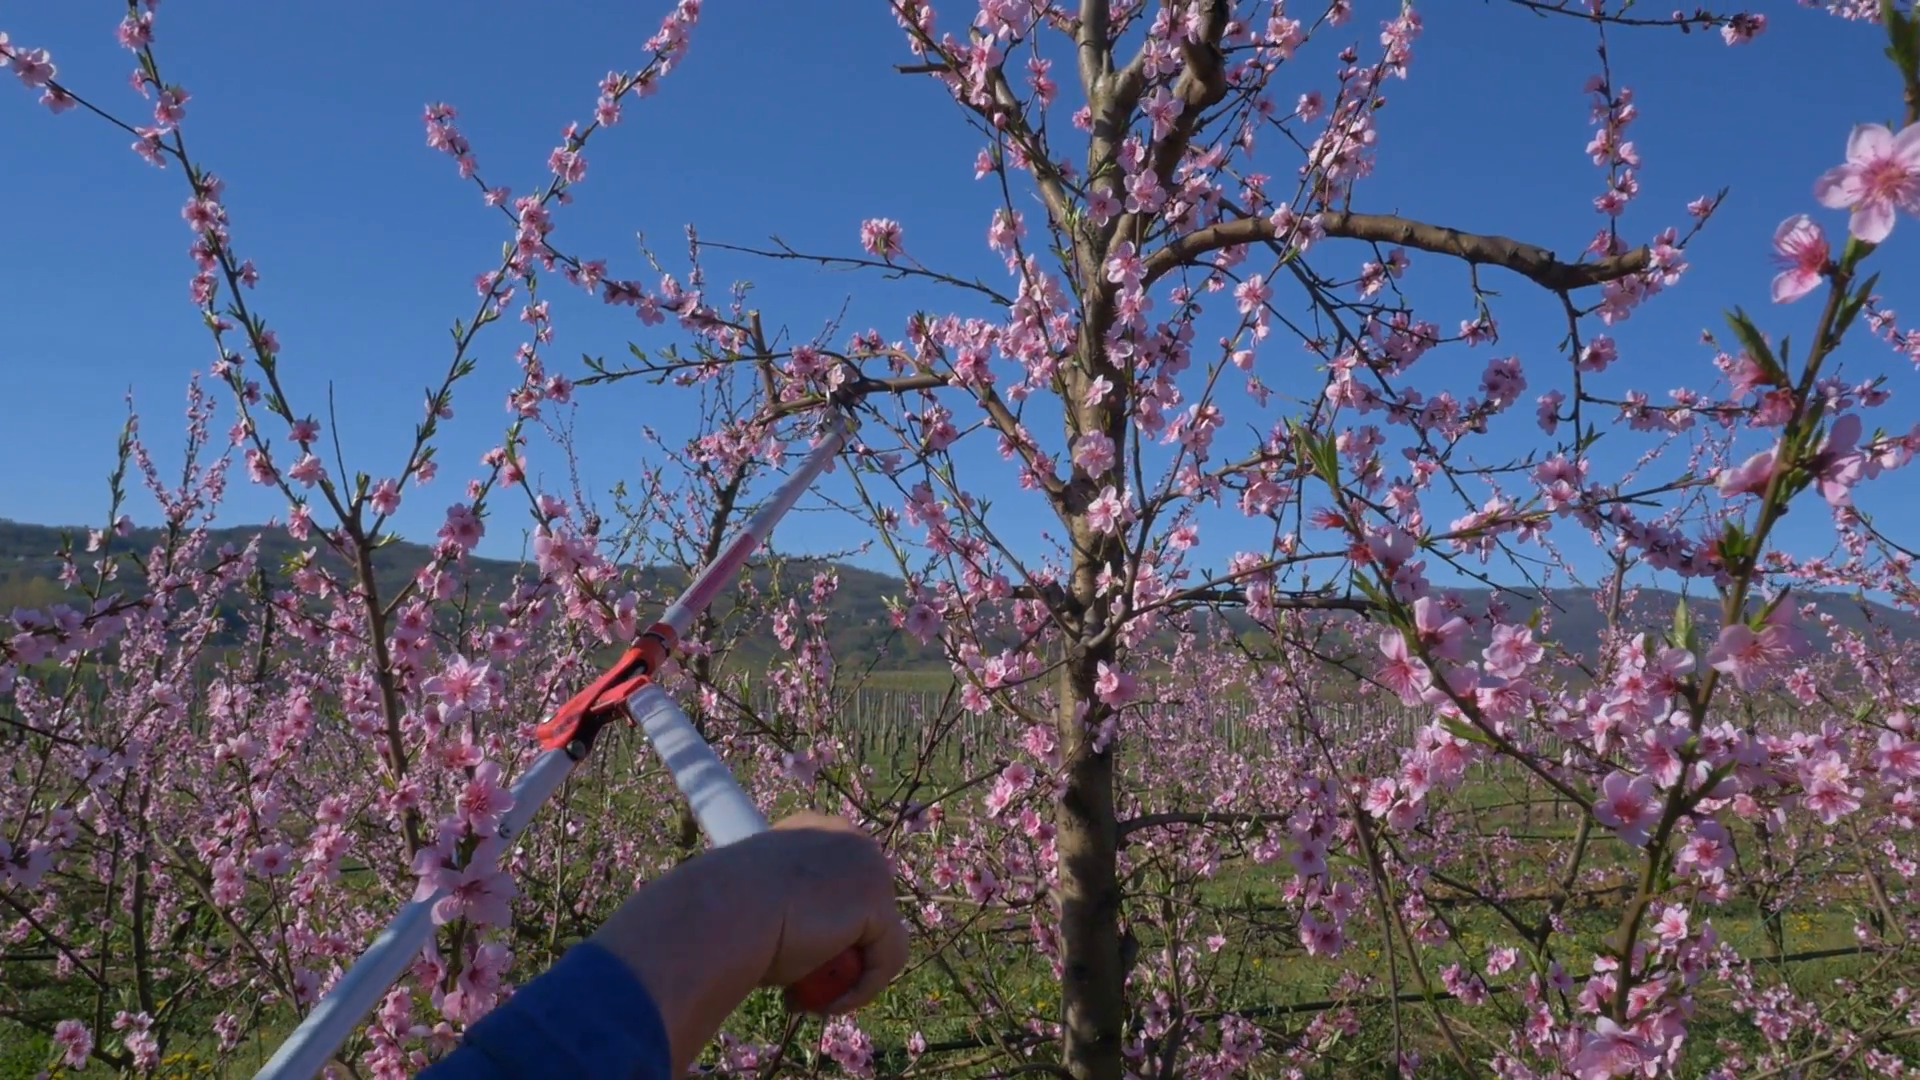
(1906,146)
(1845,434)
(1793,234)
(1869,143)
(1839,187)
(1791,285)
(1836,493)
(1872,220)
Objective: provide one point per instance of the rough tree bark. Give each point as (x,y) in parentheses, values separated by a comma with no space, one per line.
(1092,992)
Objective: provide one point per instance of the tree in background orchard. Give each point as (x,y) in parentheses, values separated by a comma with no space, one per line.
(1130,374)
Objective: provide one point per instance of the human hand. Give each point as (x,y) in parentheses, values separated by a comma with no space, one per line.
(838,888)
(766,911)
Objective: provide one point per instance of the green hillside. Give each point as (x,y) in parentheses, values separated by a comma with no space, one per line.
(859,625)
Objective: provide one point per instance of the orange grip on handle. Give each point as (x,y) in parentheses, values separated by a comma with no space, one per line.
(827,984)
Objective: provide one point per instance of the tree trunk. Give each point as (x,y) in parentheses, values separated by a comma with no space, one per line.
(1092,994)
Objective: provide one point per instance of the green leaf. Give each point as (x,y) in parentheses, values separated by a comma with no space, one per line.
(1320,453)
(1760,617)
(1733,545)
(1756,347)
(1903,36)
(1856,250)
(1374,593)
(1680,636)
(1851,309)
(1460,729)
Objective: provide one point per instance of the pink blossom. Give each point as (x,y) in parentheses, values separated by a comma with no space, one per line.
(1513,650)
(229,881)
(923,622)
(1379,797)
(1108,512)
(138,1038)
(1309,859)
(1881,174)
(1742,28)
(881,236)
(1251,295)
(1897,756)
(1599,354)
(1750,477)
(1740,655)
(1406,813)
(463,685)
(1609,1051)
(463,529)
(1093,452)
(1781,636)
(1404,673)
(1501,960)
(74,1042)
(1628,806)
(1548,412)
(33,66)
(485,800)
(1839,465)
(1671,926)
(136,32)
(385,498)
(307,471)
(478,986)
(1707,853)
(1115,687)
(1392,547)
(1828,793)
(272,860)
(1659,755)
(480,892)
(1442,634)
(1801,247)
(1320,936)
(259,468)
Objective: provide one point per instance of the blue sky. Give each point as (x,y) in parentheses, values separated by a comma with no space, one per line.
(788,119)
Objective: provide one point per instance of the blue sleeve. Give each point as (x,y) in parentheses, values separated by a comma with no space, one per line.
(587,1016)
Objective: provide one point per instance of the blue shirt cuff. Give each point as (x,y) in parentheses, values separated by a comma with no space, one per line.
(587,1016)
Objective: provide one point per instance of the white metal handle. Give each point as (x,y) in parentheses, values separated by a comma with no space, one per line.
(723,810)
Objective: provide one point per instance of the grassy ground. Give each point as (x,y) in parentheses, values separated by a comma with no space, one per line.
(929,681)
(1263,971)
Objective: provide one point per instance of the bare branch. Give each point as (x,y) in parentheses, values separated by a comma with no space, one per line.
(1676,21)
(1154,821)
(858,387)
(890,269)
(998,413)
(1535,263)
(1314,601)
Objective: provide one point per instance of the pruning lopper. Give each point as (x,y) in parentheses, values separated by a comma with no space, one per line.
(625,691)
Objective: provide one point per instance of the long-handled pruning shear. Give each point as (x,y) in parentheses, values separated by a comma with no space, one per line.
(627,690)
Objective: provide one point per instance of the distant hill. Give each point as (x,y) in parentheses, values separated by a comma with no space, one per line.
(859,621)
(859,625)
